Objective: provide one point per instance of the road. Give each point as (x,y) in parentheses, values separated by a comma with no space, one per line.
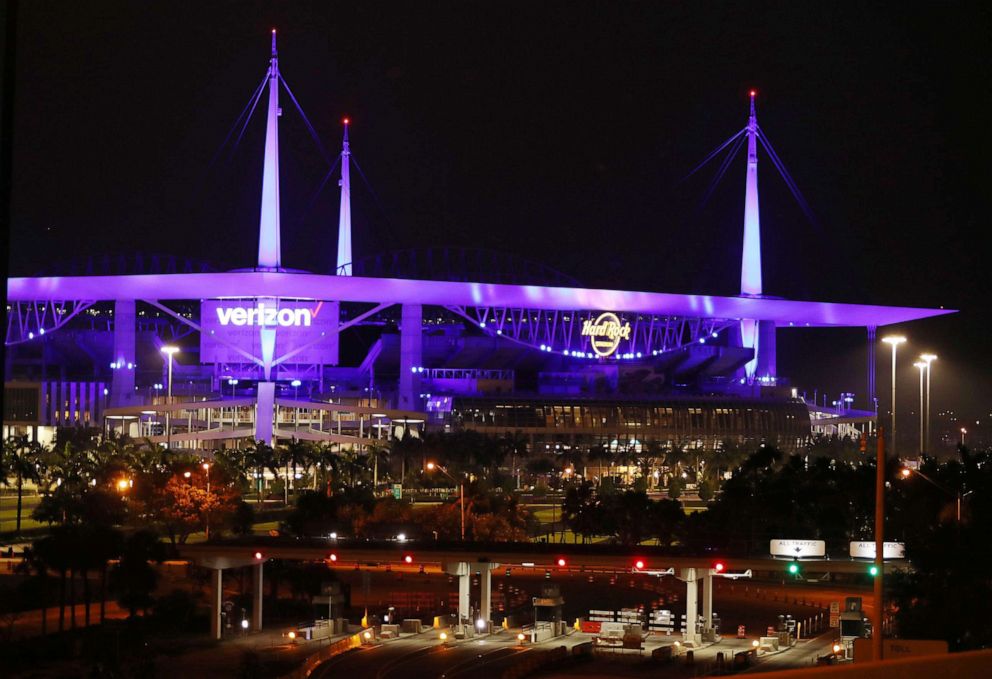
(420,656)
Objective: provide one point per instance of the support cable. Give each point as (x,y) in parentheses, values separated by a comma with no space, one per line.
(787,178)
(306,121)
(721,171)
(712,155)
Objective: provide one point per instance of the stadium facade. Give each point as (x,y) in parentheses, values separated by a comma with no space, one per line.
(389,344)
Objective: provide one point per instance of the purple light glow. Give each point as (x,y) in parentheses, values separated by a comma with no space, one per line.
(248,284)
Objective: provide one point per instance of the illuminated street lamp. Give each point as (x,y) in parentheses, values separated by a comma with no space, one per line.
(906,472)
(169,351)
(894,341)
(921,366)
(431,466)
(296,388)
(963,432)
(234,385)
(206,517)
(928,359)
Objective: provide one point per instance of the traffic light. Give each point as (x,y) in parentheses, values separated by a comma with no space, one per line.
(408,558)
(333,557)
(794,568)
(639,564)
(561,562)
(719,567)
(873,570)
(258,556)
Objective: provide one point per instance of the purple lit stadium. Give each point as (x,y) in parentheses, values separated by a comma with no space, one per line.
(390,345)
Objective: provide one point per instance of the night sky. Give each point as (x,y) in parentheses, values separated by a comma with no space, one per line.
(559,133)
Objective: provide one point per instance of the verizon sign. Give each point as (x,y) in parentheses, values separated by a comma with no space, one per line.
(866,550)
(268,315)
(232,326)
(799,549)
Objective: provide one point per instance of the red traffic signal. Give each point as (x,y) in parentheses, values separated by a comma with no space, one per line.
(408,558)
(258,556)
(639,564)
(333,557)
(719,566)
(561,562)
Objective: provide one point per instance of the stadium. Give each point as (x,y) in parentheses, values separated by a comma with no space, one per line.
(396,344)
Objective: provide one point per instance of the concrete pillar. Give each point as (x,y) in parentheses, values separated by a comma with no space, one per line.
(216,601)
(708,600)
(485,593)
(464,574)
(265,413)
(333,342)
(464,582)
(691,604)
(122,387)
(256,596)
(766,349)
(411,356)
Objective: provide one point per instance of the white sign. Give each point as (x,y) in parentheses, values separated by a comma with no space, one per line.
(265,315)
(866,550)
(799,549)
(306,331)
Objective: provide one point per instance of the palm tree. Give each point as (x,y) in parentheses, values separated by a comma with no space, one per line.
(296,454)
(22,459)
(514,445)
(600,454)
(33,563)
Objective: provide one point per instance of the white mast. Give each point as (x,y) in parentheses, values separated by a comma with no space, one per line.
(751,254)
(344,217)
(269,247)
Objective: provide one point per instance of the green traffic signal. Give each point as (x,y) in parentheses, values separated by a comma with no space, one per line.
(873,570)
(793,568)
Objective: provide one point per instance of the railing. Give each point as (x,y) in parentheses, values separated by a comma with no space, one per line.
(314,661)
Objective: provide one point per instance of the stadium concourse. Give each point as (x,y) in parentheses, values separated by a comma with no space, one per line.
(380,347)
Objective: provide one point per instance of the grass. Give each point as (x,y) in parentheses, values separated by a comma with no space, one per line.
(8,511)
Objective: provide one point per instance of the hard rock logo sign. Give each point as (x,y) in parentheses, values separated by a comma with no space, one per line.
(605,333)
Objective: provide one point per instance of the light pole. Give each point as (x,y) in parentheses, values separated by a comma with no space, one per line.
(206,514)
(922,366)
(893,341)
(296,388)
(234,385)
(963,432)
(907,472)
(169,351)
(928,359)
(461,491)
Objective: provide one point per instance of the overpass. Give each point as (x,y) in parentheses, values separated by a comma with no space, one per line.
(462,559)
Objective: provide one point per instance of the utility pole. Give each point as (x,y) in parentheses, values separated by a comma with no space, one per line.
(876,632)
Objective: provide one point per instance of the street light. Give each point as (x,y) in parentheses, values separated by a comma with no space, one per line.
(431,466)
(894,341)
(169,351)
(963,432)
(206,516)
(296,388)
(928,359)
(234,385)
(906,472)
(922,366)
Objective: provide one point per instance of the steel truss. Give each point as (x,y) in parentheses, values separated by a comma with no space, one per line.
(31,319)
(561,331)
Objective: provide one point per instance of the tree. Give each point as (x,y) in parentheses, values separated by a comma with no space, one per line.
(184,505)
(134,579)
(22,459)
(34,564)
